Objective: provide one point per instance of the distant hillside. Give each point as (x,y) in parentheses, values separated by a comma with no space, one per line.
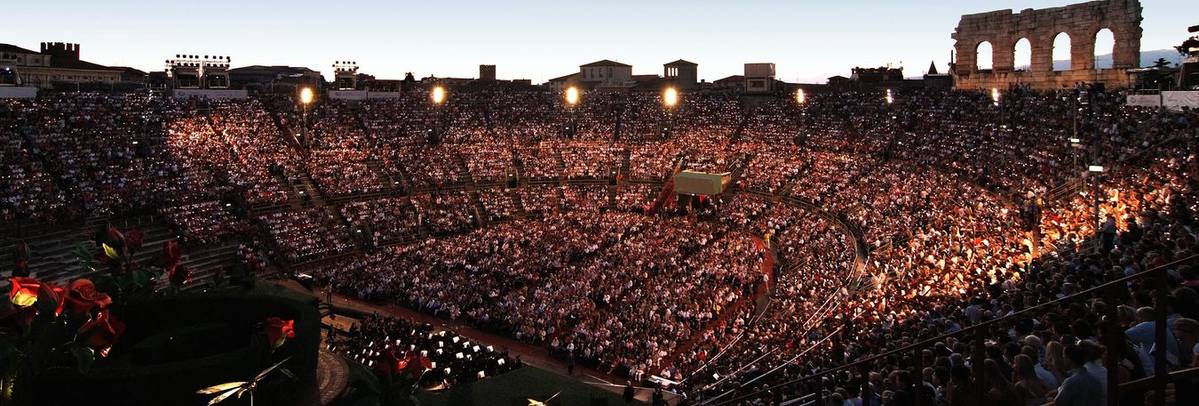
(1147,59)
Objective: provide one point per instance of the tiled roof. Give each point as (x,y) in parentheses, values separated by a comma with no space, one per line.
(605,62)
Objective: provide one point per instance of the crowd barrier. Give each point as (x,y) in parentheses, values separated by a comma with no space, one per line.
(1175,100)
(25,92)
(211,93)
(362,95)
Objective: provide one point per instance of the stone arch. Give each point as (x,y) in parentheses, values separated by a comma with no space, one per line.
(1104,43)
(1062,49)
(1126,52)
(984,56)
(1022,54)
(1076,23)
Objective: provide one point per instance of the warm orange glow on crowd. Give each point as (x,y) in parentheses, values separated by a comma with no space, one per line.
(856,222)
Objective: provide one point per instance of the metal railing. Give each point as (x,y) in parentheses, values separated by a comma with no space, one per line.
(1157,382)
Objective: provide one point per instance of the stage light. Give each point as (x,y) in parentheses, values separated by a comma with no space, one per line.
(572,95)
(670,97)
(306,95)
(890,99)
(438,95)
(995,95)
(800,97)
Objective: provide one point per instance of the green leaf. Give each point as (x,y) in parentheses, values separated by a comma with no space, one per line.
(141,278)
(82,252)
(85,257)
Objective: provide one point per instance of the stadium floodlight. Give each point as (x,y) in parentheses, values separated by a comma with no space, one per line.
(670,97)
(572,95)
(1095,168)
(438,95)
(995,95)
(889,98)
(306,95)
(800,97)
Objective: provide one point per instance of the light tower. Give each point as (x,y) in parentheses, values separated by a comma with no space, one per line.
(571,96)
(199,71)
(670,99)
(306,98)
(438,96)
(345,75)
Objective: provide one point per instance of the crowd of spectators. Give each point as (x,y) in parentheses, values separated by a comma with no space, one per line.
(307,234)
(892,222)
(614,290)
(384,220)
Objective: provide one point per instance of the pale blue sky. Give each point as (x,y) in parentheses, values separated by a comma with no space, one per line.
(808,40)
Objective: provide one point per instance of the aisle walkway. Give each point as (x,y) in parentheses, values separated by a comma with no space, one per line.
(758,300)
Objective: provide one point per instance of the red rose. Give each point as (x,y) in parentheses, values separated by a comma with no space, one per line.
(134,239)
(402,364)
(54,294)
(83,297)
(114,235)
(24,291)
(170,253)
(179,275)
(279,330)
(102,332)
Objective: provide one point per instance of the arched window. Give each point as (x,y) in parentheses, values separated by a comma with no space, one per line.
(1061,51)
(983,55)
(1022,55)
(1105,46)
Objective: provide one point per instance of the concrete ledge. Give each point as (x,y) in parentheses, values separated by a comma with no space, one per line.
(210,93)
(7,92)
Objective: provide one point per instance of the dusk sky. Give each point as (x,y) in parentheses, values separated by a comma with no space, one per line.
(807,40)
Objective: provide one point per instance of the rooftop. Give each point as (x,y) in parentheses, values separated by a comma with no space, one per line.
(605,62)
(16,49)
(681,62)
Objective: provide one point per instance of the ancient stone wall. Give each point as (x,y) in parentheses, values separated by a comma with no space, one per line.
(1081,22)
